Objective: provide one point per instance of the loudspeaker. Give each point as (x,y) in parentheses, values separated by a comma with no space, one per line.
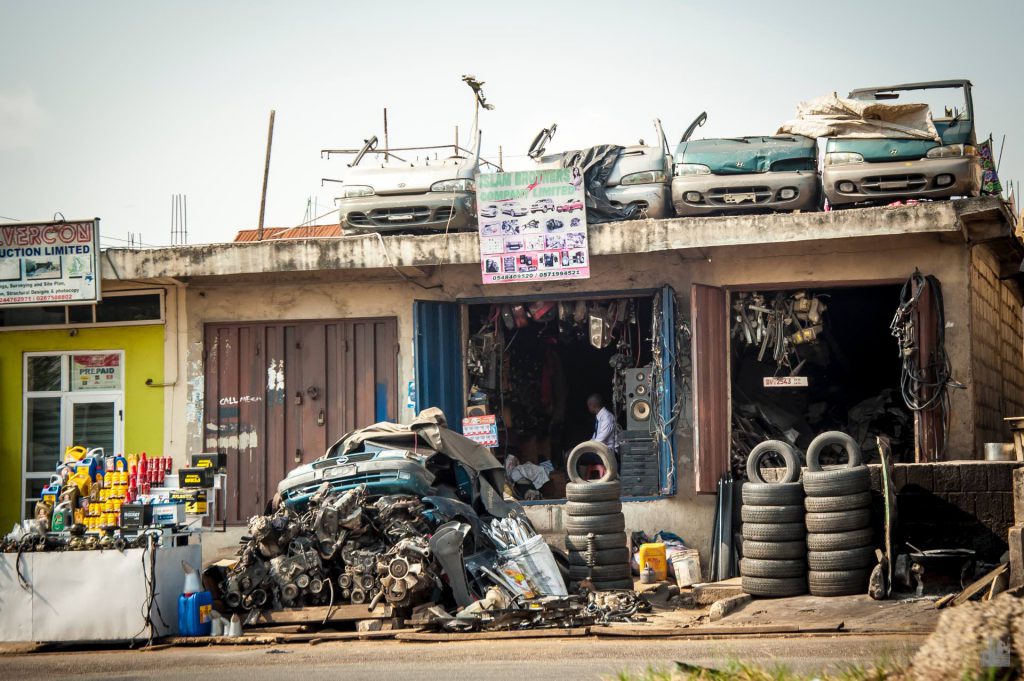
(638,399)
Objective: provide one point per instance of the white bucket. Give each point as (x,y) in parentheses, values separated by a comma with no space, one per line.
(686,565)
(536,563)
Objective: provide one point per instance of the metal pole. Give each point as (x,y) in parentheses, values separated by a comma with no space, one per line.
(184,236)
(266,175)
(386,144)
(456,140)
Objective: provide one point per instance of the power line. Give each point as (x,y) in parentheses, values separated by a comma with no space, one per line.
(3,217)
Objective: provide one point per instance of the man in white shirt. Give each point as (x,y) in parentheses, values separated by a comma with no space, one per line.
(604,427)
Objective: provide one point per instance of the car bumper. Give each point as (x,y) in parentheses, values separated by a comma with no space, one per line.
(652,199)
(744,193)
(428,211)
(380,477)
(926,178)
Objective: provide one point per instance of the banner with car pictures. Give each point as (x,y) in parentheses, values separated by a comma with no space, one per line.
(49,262)
(533,226)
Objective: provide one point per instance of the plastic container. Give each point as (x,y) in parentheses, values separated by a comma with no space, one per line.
(686,565)
(653,555)
(535,562)
(195,606)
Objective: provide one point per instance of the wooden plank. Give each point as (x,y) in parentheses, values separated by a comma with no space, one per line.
(439,637)
(318,614)
(739,630)
(979,585)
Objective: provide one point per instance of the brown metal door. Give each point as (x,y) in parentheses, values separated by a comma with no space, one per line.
(712,431)
(277,394)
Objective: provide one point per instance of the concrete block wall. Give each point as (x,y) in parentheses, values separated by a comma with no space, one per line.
(953,504)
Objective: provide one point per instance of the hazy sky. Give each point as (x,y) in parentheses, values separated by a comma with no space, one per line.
(109,108)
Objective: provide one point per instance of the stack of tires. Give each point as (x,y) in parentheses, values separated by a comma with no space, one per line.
(840,554)
(595,527)
(774,550)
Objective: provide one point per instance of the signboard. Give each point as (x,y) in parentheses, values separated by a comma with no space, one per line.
(533,225)
(786,382)
(481,429)
(42,263)
(96,372)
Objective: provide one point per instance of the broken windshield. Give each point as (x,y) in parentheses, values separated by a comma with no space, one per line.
(947,104)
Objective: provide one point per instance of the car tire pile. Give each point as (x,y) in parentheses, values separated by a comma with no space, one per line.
(595,527)
(840,554)
(774,562)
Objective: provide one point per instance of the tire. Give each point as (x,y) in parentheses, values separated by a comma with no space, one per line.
(593,491)
(838,582)
(755,567)
(839,541)
(579,542)
(614,584)
(774,531)
(611,467)
(598,524)
(774,550)
(837,482)
(839,521)
(846,559)
(601,573)
(772,587)
(616,556)
(579,508)
(772,494)
(834,437)
(772,514)
(789,455)
(846,502)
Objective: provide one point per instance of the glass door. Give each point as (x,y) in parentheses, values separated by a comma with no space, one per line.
(94,421)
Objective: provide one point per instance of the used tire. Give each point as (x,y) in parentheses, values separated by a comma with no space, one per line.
(601,573)
(611,468)
(593,491)
(613,584)
(578,508)
(772,494)
(837,541)
(845,559)
(598,524)
(756,567)
(774,550)
(772,514)
(784,449)
(580,542)
(846,502)
(836,482)
(833,437)
(774,531)
(838,521)
(774,587)
(838,582)
(616,556)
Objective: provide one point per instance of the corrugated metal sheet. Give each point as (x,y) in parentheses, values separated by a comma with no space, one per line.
(278,393)
(438,328)
(304,232)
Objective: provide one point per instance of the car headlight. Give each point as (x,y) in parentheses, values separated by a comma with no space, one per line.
(684,169)
(952,150)
(351,191)
(646,177)
(464,185)
(841,158)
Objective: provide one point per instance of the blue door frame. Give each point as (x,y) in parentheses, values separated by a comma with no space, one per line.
(437,327)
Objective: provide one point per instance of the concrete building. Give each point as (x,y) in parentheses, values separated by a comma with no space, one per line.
(257,327)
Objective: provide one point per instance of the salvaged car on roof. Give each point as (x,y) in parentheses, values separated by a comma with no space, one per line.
(395,194)
(883,169)
(744,174)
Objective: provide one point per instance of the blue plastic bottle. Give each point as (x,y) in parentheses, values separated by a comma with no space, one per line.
(194,606)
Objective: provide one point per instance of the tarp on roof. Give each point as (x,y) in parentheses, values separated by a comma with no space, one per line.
(835,116)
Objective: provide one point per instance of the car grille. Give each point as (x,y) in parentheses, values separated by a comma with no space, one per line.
(348,483)
(881,184)
(443,213)
(389,217)
(739,196)
(356,457)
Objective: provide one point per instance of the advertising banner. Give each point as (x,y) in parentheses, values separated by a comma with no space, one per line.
(96,372)
(481,429)
(42,263)
(533,225)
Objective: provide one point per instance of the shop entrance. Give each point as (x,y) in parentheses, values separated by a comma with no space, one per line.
(533,366)
(805,361)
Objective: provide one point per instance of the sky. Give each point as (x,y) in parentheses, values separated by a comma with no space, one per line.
(107,109)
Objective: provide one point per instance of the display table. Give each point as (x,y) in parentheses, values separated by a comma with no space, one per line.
(92,595)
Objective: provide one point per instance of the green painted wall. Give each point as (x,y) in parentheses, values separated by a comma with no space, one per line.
(143,348)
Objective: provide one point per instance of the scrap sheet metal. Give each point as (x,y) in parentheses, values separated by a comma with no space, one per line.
(835,116)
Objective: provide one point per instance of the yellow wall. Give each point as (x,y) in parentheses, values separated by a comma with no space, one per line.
(143,348)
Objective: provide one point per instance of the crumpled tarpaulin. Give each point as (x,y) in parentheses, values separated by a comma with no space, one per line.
(596,164)
(835,116)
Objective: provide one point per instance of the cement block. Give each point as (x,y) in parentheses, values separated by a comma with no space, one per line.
(920,477)
(899,477)
(1018,496)
(1008,509)
(973,477)
(964,502)
(1016,541)
(947,477)
(1000,477)
(876,477)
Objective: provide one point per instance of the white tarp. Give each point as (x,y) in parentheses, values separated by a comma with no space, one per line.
(835,116)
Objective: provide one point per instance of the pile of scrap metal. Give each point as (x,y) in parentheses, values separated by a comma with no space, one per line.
(779,329)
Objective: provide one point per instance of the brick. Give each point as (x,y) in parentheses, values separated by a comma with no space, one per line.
(965,502)
(919,477)
(1016,542)
(1000,477)
(973,477)
(984,508)
(947,477)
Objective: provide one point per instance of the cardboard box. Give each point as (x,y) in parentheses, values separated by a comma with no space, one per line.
(194,500)
(195,478)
